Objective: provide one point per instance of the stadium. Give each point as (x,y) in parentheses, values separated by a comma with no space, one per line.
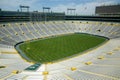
(55,46)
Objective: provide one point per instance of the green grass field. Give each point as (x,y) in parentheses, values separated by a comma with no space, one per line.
(54,48)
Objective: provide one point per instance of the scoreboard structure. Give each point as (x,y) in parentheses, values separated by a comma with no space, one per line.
(108,10)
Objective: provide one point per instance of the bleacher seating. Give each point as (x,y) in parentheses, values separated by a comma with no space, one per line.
(102,63)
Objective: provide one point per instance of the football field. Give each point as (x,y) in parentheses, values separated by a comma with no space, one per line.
(59,47)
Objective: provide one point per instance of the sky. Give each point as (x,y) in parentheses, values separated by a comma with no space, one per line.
(83,7)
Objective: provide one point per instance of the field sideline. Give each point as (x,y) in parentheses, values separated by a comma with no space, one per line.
(55,48)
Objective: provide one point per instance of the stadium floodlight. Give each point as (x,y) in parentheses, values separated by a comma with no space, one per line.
(46,8)
(71,11)
(24,7)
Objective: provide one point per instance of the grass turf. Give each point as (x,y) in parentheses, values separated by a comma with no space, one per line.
(52,49)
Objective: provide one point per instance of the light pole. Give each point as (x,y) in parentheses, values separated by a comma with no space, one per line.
(24,7)
(71,11)
(48,10)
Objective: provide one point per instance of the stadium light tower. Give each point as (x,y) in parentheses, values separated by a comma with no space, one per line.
(71,11)
(24,7)
(48,10)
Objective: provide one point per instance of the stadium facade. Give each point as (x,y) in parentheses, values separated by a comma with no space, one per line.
(14,16)
(103,13)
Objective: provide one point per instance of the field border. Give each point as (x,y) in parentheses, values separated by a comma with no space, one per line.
(22,54)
